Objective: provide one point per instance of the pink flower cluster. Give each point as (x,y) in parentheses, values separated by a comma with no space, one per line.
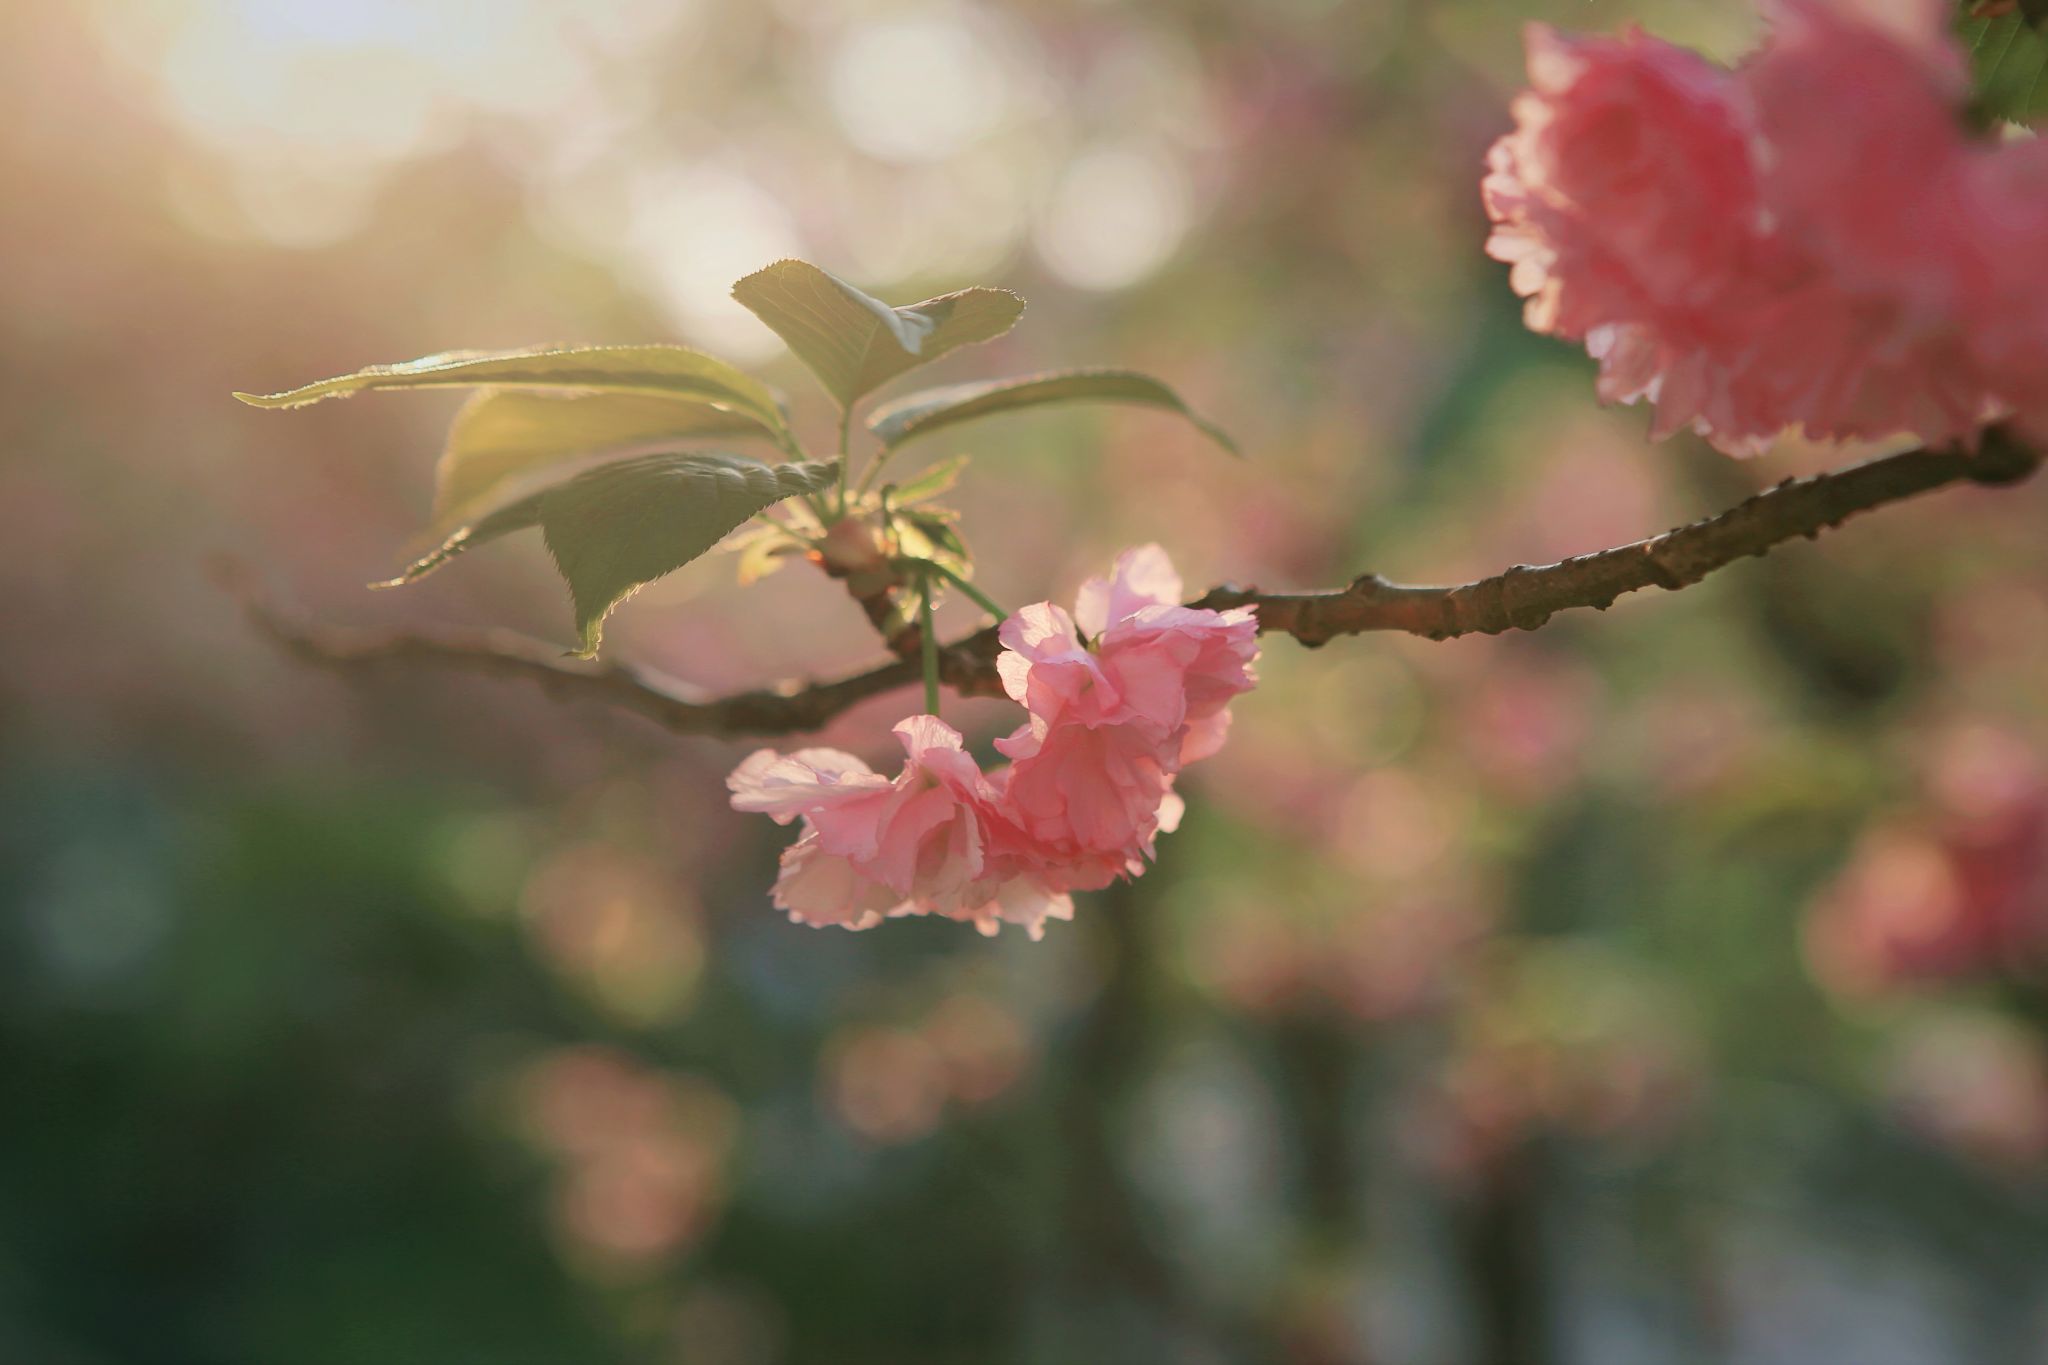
(1811,239)
(1121,695)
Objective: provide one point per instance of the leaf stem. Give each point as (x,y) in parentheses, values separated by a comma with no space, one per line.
(845,458)
(874,469)
(981,599)
(928,644)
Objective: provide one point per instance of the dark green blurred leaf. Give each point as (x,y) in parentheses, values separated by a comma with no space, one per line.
(853,342)
(673,372)
(916,414)
(505,437)
(616,528)
(2008,67)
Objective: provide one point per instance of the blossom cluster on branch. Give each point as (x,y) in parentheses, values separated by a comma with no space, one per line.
(1813,239)
(1120,696)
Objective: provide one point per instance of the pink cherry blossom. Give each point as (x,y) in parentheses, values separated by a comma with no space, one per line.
(1627,193)
(820,888)
(1807,240)
(2004,301)
(1164,669)
(1048,671)
(1858,111)
(1086,801)
(1112,717)
(1023,894)
(1141,577)
(875,847)
(1091,781)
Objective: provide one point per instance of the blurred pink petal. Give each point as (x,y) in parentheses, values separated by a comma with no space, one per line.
(1800,242)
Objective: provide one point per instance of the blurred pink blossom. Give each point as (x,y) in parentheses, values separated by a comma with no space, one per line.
(642,1154)
(1808,240)
(1627,195)
(1977,1084)
(1955,888)
(1549,1042)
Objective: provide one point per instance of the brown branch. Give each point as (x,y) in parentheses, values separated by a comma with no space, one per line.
(1526,596)
(791,707)
(878,591)
(1522,598)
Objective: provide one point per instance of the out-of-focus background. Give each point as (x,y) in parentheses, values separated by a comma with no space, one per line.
(1659,987)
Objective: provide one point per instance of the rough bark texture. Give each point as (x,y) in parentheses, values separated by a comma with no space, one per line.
(1522,598)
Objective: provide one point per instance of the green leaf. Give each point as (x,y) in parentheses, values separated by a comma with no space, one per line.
(674,372)
(616,528)
(2008,67)
(761,552)
(939,478)
(504,439)
(853,342)
(516,516)
(916,414)
(932,536)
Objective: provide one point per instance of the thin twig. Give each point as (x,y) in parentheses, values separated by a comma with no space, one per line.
(928,644)
(1522,598)
(979,598)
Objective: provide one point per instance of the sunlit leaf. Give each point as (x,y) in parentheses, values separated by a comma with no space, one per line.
(936,480)
(761,552)
(932,536)
(2008,67)
(514,516)
(854,342)
(503,438)
(616,527)
(930,410)
(674,372)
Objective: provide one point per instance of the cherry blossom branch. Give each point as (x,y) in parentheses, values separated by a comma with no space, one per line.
(1526,596)
(1522,598)
(967,667)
